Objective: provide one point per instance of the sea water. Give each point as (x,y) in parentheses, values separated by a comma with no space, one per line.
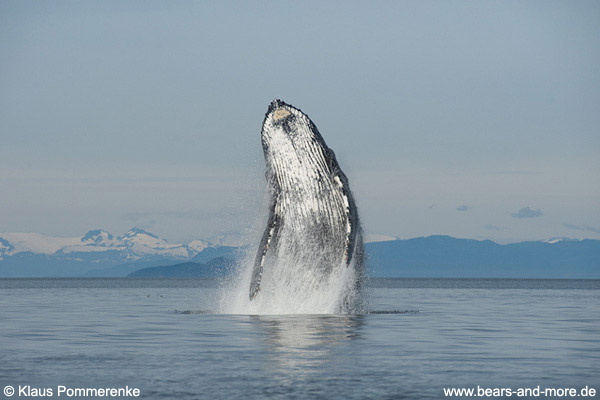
(419,337)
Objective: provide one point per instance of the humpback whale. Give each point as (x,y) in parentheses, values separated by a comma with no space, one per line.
(313,224)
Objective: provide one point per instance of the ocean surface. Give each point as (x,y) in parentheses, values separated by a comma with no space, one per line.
(421,336)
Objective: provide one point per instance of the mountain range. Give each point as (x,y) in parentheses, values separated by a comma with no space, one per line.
(448,257)
(98,253)
(216,267)
(93,254)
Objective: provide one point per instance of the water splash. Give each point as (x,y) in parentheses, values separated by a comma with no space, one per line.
(293,285)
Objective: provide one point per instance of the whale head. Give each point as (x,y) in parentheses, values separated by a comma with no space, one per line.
(284,122)
(293,145)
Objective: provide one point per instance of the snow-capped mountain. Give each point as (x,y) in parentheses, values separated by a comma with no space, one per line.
(198,245)
(5,248)
(140,242)
(37,243)
(99,237)
(372,237)
(560,239)
(136,243)
(34,254)
(133,245)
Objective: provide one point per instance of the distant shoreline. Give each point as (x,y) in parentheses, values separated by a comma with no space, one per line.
(372,283)
(424,257)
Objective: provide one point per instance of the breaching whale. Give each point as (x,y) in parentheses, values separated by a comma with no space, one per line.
(313,222)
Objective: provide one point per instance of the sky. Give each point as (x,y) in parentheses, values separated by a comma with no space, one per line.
(470,119)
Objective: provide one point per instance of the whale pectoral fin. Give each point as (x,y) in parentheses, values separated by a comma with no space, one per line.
(268,239)
(351,237)
(352,225)
(349,249)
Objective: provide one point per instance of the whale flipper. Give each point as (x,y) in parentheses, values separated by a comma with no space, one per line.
(351,227)
(269,237)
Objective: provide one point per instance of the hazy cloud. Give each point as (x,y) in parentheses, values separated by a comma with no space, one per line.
(491,227)
(463,207)
(585,228)
(527,212)
(137,216)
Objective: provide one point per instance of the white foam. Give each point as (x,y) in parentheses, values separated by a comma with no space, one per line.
(292,285)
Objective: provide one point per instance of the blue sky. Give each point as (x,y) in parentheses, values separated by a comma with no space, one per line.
(448,117)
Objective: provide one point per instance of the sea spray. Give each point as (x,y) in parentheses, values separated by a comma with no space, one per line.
(293,286)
